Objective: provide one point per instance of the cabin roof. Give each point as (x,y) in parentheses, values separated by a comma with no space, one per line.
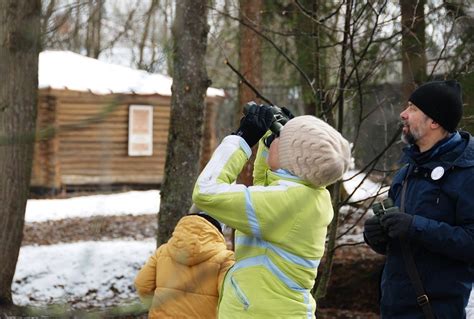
(72,71)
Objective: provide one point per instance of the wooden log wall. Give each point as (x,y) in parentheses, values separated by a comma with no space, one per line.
(93,151)
(209,135)
(45,165)
(91,145)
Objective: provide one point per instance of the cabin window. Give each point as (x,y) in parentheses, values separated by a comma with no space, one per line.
(140,130)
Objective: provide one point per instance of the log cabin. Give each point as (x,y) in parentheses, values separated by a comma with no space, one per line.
(103,124)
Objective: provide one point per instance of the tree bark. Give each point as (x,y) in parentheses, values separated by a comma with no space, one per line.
(250,58)
(413,45)
(310,57)
(146,30)
(94,26)
(250,50)
(190,82)
(19,48)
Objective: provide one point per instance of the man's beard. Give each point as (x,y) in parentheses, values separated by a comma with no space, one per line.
(414,134)
(408,138)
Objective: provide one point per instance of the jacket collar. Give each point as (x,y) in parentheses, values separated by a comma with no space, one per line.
(467,157)
(282,174)
(455,150)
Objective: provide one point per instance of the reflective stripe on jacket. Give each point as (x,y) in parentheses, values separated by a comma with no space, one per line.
(280,225)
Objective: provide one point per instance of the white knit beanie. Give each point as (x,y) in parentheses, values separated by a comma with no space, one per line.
(313,150)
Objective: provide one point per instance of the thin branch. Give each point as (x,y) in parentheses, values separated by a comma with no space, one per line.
(279,50)
(314,17)
(364,52)
(125,29)
(50,131)
(442,51)
(244,80)
(382,152)
(347,244)
(372,198)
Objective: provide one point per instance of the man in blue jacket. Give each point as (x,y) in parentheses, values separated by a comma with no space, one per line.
(437,222)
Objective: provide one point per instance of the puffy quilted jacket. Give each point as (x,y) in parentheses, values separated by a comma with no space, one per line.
(441,234)
(182,279)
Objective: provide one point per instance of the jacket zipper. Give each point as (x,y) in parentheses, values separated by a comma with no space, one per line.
(240,294)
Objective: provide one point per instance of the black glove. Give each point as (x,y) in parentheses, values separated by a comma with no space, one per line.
(396,223)
(375,235)
(287,112)
(255,123)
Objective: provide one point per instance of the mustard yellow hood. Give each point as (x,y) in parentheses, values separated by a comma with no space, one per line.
(194,241)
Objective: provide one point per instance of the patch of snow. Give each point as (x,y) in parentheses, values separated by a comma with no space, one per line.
(128,203)
(470,306)
(83,272)
(366,190)
(352,234)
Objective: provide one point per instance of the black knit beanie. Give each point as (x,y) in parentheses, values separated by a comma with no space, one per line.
(440,100)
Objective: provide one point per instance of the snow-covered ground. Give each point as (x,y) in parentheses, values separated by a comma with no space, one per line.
(129,203)
(82,273)
(359,188)
(91,273)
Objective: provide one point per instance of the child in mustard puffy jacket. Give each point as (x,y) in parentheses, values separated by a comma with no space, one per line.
(183,278)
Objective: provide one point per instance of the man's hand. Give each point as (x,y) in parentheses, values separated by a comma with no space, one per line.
(396,223)
(255,123)
(375,236)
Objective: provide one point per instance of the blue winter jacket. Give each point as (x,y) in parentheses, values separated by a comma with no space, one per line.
(441,234)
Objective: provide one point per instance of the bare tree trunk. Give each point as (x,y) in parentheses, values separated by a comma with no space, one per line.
(309,55)
(93,45)
(19,48)
(47,16)
(146,29)
(75,37)
(166,38)
(190,82)
(413,45)
(250,51)
(250,57)
(154,43)
(310,39)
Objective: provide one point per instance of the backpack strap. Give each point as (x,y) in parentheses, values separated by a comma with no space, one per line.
(421,297)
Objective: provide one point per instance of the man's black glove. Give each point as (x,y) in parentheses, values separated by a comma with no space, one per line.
(375,236)
(396,223)
(255,123)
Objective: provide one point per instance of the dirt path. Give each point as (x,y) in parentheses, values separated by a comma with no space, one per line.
(95,228)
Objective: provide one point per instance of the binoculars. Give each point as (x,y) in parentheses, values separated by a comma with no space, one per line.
(279,118)
(380,208)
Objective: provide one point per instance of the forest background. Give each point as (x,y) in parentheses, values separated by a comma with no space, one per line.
(352,63)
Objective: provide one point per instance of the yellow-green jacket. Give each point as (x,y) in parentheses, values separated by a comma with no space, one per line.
(280,225)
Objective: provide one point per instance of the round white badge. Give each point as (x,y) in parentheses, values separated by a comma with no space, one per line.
(437,173)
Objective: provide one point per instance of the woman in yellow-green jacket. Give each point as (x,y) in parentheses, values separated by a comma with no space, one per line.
(281,221)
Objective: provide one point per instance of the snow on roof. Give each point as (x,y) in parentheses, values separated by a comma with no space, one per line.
(72,71)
